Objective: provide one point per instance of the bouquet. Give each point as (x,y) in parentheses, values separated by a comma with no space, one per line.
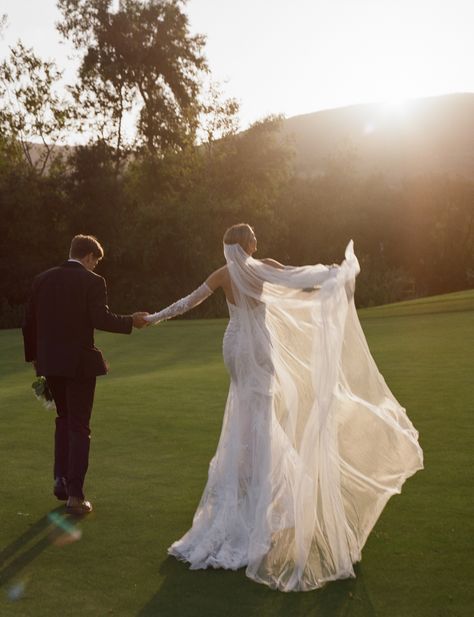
(43,393)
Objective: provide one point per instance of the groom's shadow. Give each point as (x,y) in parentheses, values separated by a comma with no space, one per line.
(52,528)
(217,592)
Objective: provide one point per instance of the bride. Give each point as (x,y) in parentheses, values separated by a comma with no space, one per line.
(313,443)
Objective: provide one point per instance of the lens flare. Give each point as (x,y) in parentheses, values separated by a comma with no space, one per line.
(16,591)
(71,532)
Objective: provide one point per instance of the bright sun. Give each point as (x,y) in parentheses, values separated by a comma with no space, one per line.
(396,104)
(387,52)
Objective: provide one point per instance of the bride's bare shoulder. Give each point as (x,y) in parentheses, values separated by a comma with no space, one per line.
(218,278)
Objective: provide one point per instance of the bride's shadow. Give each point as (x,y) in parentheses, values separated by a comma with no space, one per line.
(217,592)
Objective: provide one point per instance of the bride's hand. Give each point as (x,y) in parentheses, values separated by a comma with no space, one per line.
(139,319)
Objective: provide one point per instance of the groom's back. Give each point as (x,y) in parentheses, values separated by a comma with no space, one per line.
(61,302)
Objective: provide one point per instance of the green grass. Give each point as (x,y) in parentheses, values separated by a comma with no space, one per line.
(447,303)
(156,423)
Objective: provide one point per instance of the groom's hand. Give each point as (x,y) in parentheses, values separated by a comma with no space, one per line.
(138,320)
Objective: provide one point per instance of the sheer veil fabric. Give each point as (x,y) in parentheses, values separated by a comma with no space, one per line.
(313,443)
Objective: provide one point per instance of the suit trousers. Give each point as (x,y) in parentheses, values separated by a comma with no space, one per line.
(74,397)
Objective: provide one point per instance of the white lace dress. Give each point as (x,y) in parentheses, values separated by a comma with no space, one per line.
(226,528)
(313,443)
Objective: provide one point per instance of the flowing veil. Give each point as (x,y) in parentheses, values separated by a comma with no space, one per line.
(313,442)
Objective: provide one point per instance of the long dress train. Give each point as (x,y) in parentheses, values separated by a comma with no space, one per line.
(313,443)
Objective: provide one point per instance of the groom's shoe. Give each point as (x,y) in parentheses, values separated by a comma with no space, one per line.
(60,488)
(78,506)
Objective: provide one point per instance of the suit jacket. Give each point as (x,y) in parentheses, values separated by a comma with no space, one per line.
(66,304)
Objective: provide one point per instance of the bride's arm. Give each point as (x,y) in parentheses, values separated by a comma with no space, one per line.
(273,262)
(298,277)
(276,264)
(217,278)
(183,305)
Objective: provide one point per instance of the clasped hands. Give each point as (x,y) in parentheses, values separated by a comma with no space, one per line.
(139,319)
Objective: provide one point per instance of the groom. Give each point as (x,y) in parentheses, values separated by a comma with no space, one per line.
(66,304)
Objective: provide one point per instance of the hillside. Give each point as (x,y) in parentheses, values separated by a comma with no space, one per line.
(458,301)
(420,136)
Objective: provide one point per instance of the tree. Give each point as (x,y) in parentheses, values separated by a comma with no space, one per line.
(141,58)
(32,109)
(3,22)
(218,116)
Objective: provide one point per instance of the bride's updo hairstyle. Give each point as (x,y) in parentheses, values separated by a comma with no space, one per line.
(241,234)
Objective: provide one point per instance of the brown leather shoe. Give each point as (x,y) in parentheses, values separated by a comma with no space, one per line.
(77,506)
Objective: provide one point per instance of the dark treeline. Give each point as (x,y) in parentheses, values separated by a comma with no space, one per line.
(161,221)
(160,203)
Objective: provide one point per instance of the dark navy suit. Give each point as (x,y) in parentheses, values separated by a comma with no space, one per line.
(66,304)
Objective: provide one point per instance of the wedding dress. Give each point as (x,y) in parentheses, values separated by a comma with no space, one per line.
(313,443)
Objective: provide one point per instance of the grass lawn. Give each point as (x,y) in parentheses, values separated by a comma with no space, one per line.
(156,422)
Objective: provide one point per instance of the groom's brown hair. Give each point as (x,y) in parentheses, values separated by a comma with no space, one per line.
(84,245)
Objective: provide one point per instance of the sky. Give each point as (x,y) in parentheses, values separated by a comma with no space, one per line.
(299,56)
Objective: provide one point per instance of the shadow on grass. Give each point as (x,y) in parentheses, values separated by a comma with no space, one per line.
(53,528)
(193,593)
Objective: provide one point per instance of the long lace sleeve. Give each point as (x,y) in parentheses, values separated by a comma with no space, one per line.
(181,306)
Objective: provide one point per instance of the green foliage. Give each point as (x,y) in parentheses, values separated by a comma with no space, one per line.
(379,284)
(10,316)
(218,116)
(438,232)
(3,22)
(141,56)
(162,219)
(415,238)
(31,105)
(179,207)
(35,231)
